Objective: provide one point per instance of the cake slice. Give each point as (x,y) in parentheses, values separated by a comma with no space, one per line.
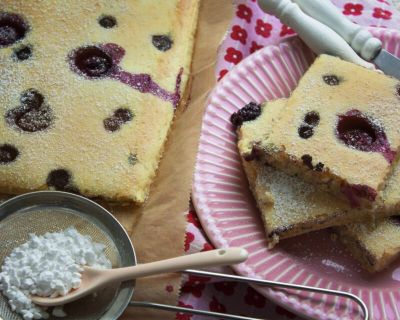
(339,130)
(375,245)
(89,90)
(289,205)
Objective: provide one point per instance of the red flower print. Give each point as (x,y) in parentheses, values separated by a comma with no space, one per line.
(183,316)
(384,1)
(195,290)
(222,73)
(381,13)
(188,240)
(169,288)
(228,288)
(239,34)
(255,46)
(216,306)
(263,28)
(283,312)
(207,246)
(192,218)
(253,298)
(195,285)
(286,31)
(354,9)
(233,55)
(196,280)
(244,12)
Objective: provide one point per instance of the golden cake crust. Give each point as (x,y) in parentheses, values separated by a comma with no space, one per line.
(375,245)
(339,116)
(117,165)
(289,205)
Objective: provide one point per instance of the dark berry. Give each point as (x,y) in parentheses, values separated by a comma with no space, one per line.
(249,112)
(359,131)
(92,61)
(307,160)
(312,118)
(395,220)
(111,124)
(35,120)
(32,98)
(124,115)
(354,192)
(108,22)
(32,115)
(23,53)
(132,159)
(331,80)
(162,42)
(119,117)
(305,131)
(12,28)
(319,167)
(59,179)
(8,153)
(398,90)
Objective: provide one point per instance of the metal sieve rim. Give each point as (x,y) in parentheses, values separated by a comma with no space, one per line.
(98,213)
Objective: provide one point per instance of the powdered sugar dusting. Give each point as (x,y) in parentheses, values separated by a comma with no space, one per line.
(48,266)
(290,193)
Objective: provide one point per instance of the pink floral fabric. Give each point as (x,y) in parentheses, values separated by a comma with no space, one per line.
(250,31)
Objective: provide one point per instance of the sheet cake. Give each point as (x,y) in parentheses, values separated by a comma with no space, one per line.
(88,92)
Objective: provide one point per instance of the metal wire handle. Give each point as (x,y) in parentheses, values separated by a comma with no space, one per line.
(259,282)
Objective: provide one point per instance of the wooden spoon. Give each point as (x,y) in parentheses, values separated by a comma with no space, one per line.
(94,279)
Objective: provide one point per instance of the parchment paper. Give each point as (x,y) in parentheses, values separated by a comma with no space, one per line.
(158,228)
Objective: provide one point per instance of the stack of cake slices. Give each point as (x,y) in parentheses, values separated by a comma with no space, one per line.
(328,157)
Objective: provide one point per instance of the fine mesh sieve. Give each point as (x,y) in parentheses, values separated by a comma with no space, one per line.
(50,211)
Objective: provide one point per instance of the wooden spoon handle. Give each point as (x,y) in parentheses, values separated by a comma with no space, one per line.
(218,257)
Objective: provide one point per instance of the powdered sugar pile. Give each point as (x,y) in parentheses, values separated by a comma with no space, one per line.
(48,265)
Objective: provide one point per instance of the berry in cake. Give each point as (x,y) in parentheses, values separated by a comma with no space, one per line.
(356,130)
(8,153)
(107,21)
(60,179)
(119,117)
(102,61)
(331,80)
(341,115)
(162,42)
(289,205)
(32,115)
(22,53)
(87,98)
(249,112)
(12,28)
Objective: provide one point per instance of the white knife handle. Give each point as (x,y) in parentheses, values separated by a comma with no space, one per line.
(319,37)
(359,38)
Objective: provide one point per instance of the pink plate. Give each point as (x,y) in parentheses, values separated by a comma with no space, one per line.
(228,213)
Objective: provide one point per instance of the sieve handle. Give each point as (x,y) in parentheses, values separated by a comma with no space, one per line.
(212,258)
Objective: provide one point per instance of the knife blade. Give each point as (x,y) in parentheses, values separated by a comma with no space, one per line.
(360,39)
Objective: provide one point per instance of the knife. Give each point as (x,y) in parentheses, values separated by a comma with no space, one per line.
(319,37)
(361,40)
